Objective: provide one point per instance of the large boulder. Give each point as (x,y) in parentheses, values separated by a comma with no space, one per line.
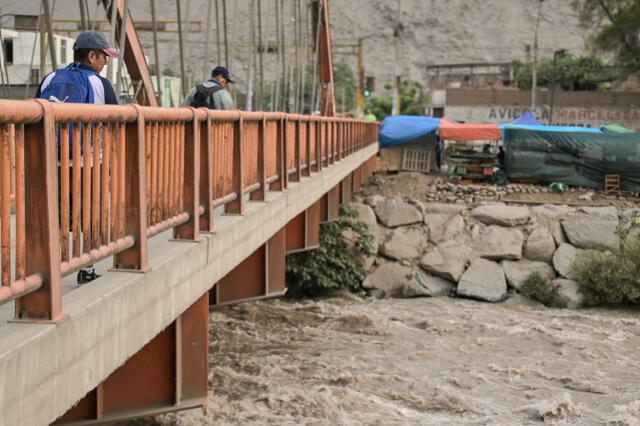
(540,245)
(405,243)
(394,280)
(448,260)
(436,223)
(435,286)
(557,232)
(394,212)
(374,200)
(591,233)
(552,211)
(453,228)
(608,212)
(570,291)
(517,271)
(496,242)
(364,214)
(443,227)
(441,208)
(563,259)
(483,280)
(500,214)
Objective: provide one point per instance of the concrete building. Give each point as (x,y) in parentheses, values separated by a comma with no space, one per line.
(591,109)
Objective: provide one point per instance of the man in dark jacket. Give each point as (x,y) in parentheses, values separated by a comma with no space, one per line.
(212,93)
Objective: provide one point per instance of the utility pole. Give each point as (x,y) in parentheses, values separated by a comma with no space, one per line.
(123,39)
(183,77)
(360,94)
(534,77)
(52,46)
(398,34)
(155,51)
(557,54)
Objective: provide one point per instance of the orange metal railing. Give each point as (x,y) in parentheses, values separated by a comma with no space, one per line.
(94,181)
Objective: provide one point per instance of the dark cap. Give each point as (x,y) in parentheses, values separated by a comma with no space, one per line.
(223,72)
(94,40)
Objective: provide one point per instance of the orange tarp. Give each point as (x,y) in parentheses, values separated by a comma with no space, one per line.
(468,131)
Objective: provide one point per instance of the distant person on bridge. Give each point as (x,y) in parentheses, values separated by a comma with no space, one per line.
(80,82)
(370,116)
(212,93)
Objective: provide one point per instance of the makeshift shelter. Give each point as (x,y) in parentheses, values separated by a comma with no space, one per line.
(407,142)
(399,129)
(575,158)
(468,131)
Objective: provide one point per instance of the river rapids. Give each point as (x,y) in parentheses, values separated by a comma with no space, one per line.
(422,361)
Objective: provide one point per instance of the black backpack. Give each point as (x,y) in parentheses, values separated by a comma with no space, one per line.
(204,96)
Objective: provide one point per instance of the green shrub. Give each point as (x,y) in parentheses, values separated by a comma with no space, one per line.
(334,265)
(611,276)
(540,289)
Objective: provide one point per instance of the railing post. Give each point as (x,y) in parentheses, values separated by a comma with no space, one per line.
(206,177)
(136,257)
(41,220)
(261,194)
(340,139)
(332,140)
(281,162)
(237,206)
(297,151)
(190,230)
(307,171)
(318,141)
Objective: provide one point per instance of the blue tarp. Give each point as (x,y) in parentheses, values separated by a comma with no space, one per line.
(526,119)
(399,129)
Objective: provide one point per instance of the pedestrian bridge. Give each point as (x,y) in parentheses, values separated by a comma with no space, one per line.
(178,209)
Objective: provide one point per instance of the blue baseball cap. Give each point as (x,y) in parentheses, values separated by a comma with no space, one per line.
(223,72)
(94,40)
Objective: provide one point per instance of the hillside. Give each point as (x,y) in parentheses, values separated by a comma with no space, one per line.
(435,32)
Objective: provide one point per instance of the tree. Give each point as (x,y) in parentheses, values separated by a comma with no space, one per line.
(411,101)
(617,25)
(569,72)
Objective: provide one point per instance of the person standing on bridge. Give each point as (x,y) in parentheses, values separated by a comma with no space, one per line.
(212,93)
(80,82)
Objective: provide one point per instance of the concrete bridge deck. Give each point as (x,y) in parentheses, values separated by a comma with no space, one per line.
(84,363)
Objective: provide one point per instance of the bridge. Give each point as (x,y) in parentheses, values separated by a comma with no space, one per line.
(190,208)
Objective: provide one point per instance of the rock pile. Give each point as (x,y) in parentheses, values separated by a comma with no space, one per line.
(448,192)
(481,252)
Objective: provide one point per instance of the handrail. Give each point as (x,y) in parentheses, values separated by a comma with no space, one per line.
(126,173)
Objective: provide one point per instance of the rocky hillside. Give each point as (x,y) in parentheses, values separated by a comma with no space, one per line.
(435,31)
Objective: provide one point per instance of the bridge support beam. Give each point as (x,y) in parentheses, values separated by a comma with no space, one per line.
(261,275)
(169,373)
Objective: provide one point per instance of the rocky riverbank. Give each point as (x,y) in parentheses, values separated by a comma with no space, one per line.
(481,249)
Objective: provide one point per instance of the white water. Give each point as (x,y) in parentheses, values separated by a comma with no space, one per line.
(350,361)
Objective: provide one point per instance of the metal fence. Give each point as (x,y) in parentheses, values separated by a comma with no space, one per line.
(93,181)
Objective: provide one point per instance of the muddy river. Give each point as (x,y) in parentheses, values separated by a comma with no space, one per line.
(440,361)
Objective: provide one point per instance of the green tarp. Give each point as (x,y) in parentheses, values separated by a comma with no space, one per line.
(574,158)
(615,128)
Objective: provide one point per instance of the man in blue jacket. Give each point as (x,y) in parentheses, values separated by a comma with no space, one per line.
(80,82)
(90,53)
